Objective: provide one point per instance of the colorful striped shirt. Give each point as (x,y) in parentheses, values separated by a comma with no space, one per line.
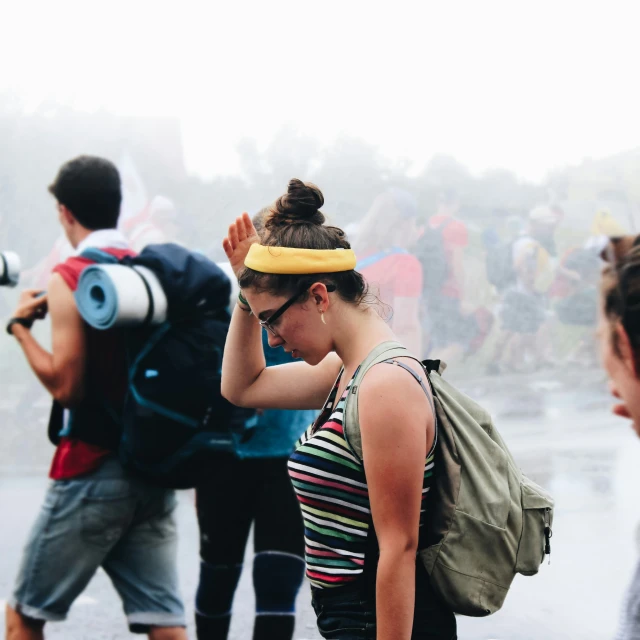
(330,484)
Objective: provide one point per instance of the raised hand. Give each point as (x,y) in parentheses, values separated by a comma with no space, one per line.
(242,234)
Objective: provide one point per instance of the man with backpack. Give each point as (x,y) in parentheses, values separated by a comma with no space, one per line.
(452,333)
(94,514)
(528,273)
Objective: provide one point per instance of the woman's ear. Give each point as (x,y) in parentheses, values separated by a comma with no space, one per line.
(320,295)
(625,349)
(66,215)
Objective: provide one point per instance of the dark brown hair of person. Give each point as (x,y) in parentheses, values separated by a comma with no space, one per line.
(295,220)
(621,290)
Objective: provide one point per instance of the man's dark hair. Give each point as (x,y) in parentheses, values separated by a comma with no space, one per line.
(90,188)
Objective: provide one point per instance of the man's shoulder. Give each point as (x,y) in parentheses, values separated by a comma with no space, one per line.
(62,306)
(69,271)
(59,288)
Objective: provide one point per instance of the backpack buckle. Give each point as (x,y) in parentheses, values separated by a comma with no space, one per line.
(434,365)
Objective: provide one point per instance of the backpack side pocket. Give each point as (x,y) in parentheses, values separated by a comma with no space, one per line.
(537,520)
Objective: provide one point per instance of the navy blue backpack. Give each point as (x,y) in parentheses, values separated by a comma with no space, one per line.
(174,414)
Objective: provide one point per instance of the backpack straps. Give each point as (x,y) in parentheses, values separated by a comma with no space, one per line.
(434,365)
(376,257)
(99,256)
(384,352)
(417,378)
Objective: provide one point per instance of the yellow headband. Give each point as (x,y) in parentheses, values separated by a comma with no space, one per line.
(288,260)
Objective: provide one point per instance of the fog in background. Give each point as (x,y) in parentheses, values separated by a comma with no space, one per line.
(487,111)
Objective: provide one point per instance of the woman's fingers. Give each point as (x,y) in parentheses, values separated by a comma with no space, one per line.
(226,245)
(240,236)
(233,235)
(241,228)
(250,230)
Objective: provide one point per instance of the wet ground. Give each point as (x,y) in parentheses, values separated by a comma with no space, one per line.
(560,431)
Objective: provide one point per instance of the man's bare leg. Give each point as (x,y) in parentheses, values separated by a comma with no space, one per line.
(20,628)
(168,633)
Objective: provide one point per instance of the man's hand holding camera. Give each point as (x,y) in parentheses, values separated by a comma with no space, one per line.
(32,306)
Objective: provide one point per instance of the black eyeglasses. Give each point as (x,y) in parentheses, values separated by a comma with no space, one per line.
(271,320)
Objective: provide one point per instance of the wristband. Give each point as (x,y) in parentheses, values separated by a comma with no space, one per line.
(242,303)
(27,324)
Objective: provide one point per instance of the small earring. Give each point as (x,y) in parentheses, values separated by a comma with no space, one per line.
(322,317)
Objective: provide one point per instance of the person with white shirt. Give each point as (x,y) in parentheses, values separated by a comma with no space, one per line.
(94,513)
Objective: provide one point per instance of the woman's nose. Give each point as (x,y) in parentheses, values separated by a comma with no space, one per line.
(614,390)
(274,340)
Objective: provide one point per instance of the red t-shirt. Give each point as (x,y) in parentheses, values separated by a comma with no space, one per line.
(397,275)
(106,366)
(455,236)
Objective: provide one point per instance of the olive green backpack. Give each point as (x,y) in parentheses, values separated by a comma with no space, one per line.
(486,520)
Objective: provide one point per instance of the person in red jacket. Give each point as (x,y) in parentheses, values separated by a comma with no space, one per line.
(386,235)
(94,513)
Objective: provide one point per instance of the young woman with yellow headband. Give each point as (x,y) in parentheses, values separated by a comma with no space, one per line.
(362,519)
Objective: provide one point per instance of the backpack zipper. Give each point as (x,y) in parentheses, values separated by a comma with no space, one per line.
(547,534)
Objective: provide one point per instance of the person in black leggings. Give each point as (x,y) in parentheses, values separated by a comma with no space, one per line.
(235,495)
(249,487)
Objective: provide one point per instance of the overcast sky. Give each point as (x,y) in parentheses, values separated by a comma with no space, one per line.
(523,85)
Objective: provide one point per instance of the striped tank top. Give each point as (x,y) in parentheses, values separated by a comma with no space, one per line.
(331,487)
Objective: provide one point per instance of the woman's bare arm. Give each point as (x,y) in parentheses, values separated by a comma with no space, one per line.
(246,381)
(397,427)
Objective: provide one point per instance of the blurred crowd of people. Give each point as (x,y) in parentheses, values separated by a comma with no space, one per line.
(359,526)
(503,297)
(430,268)
(447,287)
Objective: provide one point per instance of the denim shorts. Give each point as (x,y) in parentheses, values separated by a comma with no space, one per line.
(349,613)
(104,519)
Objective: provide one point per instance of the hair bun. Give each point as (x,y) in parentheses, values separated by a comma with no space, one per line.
(300,205)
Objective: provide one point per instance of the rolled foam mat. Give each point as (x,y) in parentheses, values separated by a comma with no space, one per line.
(9,269)
(114,295)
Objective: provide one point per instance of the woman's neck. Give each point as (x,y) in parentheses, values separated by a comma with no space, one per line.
(360,331)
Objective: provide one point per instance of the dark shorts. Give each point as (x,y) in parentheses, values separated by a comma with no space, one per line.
(447,325)
(522,312)
(349,613)
(579,309)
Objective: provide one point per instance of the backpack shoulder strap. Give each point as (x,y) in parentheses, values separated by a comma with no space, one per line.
(384,352)
(376,257)
(99,256)
(417,378)
(434,365)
